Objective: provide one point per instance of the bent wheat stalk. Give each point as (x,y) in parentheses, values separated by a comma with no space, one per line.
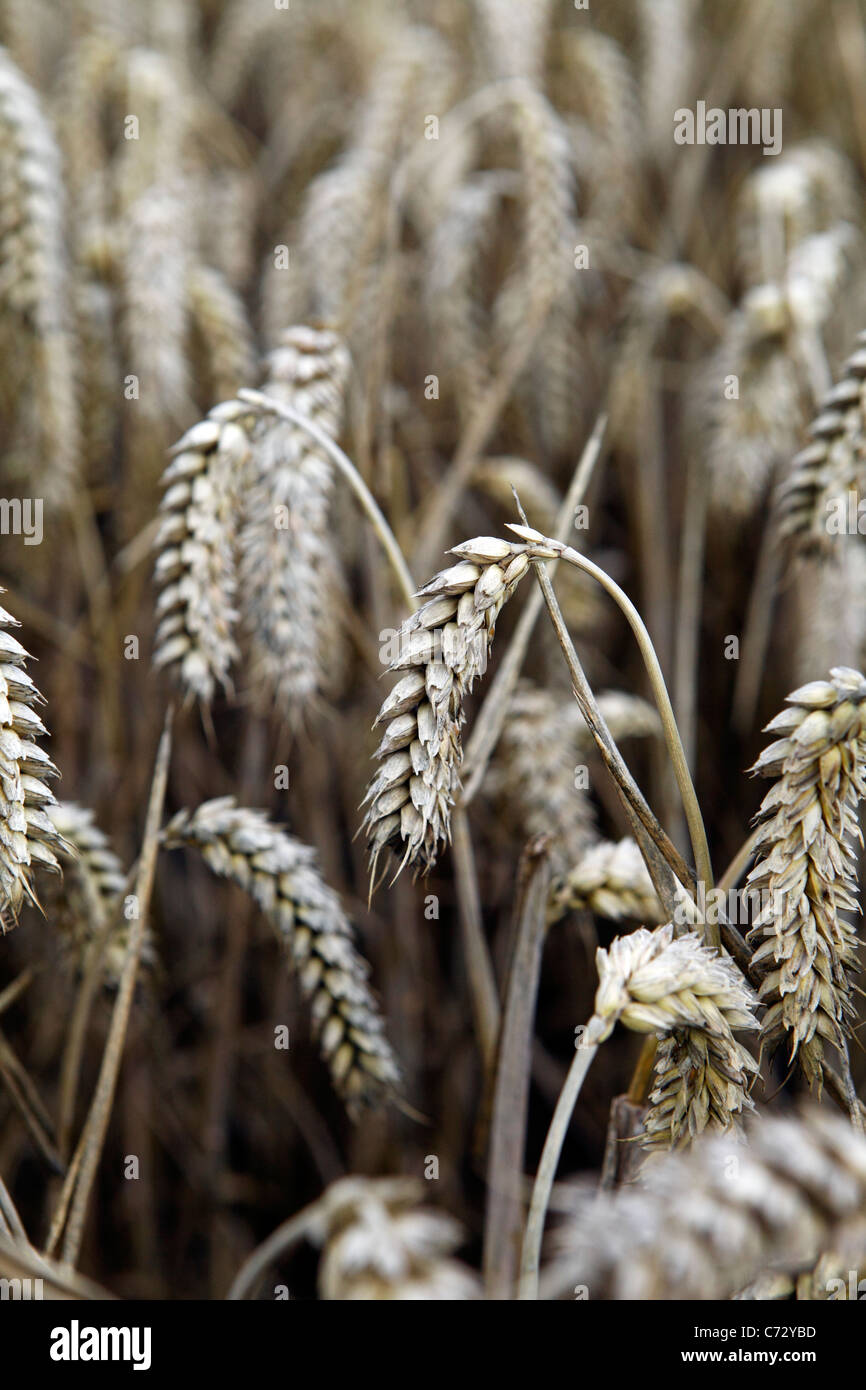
(545,548)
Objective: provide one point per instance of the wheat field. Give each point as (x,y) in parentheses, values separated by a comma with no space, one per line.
(432,709)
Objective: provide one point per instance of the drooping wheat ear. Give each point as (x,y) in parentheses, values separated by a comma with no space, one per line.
(655,982)
(811,188)
(282,875)
(33,268)
(749,435)
(603,82)
(806,869)
(811,501)
(289,573)
(611,880)
(155,258)
(547,173)
(660,296)
(695,999)
(344,217)
(444,647)
(195,567)
(704,1224)
(381,1244)
(515,37)
(93,880)
(220,318)
(28,838)
(458,241)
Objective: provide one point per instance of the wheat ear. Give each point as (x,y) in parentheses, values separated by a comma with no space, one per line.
(652,982)
(195,565)
(703,1225)
(831,464)
(444,647)
(287,567)
(611,880)
(28,838)
(282,875)
(380,1243)
(806,869)
(33,266)
(93,880)
(218,313)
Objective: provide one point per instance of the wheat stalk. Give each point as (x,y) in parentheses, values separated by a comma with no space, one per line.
(281,874)
(444,646)
(806,868)
(703,1225)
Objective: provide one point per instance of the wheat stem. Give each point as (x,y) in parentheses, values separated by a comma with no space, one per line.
(96,1126)
(531,1254)
(694,819)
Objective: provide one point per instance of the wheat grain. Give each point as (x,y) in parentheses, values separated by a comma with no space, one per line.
(806,869)
(28,838)
(195,567)
(381,1244)
(705,1224)
(444,647)
(281,874)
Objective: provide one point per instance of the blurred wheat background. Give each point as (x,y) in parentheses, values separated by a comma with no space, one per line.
(450,234)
